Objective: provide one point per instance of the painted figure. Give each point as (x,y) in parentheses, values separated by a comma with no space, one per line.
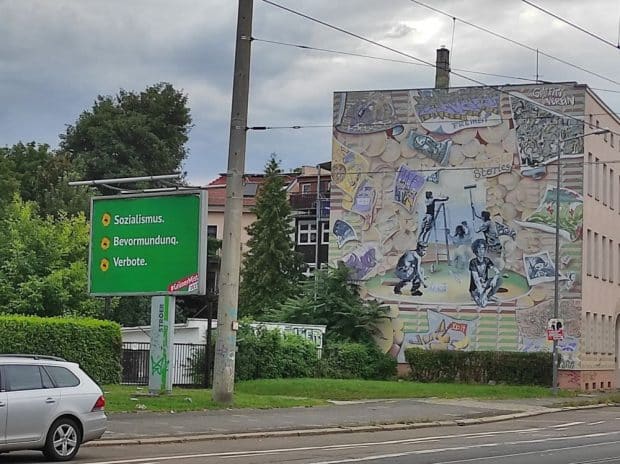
(483,287)
(429,219)
(409,269)
(462,241)
(489,229)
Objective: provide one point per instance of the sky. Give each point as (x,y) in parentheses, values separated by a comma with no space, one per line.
(57,56)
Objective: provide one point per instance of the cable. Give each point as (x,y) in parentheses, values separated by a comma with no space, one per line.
(495,34)
(579,28)
(352,34)
(392,60)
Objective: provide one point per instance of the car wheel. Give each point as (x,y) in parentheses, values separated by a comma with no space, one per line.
(63,440)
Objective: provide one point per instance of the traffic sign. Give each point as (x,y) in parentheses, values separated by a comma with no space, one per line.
(555,329)
(148,244)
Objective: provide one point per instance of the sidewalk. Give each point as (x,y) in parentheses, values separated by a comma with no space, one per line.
(346,416)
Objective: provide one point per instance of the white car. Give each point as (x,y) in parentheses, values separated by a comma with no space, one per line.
(48,404)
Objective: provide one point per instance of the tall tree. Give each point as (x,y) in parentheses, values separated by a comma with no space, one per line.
(272,269)
(42,176)
(131,134)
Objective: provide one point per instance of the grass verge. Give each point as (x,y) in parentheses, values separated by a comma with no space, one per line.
(282,393)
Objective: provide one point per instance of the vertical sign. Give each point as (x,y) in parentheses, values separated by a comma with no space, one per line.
(161,353)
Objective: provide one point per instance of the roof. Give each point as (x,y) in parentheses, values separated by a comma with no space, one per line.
(217,188)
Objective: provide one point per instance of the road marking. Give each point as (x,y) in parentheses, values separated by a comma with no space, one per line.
(462,448)
(357,445)
(596,423)
(568,424)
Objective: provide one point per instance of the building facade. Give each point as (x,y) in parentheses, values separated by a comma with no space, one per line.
(443,205)
(309,196)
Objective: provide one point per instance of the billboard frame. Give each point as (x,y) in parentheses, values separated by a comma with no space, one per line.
(202,241)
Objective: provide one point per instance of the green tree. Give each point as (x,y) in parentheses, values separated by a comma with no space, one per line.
(131,134)
(9,185)
(334,301)
(272,269)
(43,265)
(43,175)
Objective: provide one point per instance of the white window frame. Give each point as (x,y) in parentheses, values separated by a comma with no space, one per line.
(324,233)
(305,230)
(306,188)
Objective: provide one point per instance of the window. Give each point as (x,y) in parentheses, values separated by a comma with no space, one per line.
(604,193)
(306,188)
(588,333)
(605,257)
(589,174)
(325,233)
(589,252)
(611,140)
(597,254)
(306,232)
(612,191)
(611,258)
(62,376)
(597,179)
(595,341)
(23,377)
(212,231)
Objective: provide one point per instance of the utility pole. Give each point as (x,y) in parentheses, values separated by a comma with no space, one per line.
(224,362)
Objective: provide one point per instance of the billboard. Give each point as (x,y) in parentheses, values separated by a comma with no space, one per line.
(151,244)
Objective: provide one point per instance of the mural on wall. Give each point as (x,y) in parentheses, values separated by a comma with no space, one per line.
(443,206)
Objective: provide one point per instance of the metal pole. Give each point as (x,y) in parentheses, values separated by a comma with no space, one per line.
(224,362)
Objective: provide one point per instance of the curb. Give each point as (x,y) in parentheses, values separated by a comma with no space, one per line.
(333,430)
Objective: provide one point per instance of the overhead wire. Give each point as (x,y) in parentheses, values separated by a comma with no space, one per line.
(373,42)
(566,21)
(515,42)
(380,58)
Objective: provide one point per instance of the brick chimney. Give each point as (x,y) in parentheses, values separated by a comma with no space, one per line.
(442,70)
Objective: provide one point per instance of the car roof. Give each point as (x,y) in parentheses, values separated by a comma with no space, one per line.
(31,359)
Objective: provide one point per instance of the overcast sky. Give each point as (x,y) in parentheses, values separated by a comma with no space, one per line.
(56,56)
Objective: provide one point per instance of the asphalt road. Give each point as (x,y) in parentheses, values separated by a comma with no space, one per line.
(582,436)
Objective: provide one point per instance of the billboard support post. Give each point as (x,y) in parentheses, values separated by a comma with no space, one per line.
(162,344)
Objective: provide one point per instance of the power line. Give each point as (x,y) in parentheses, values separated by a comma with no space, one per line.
(495,34)
(392,60)
(378,44)
(579,28)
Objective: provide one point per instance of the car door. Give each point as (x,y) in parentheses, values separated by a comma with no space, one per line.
(32,402)
(3,410)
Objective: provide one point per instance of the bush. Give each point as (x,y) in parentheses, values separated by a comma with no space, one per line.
(356,361)
(94,344)
(513,368)
(271,354)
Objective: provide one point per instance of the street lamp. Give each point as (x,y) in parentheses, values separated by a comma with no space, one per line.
(556,303)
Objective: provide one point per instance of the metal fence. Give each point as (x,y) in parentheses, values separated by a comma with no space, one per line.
(135,363)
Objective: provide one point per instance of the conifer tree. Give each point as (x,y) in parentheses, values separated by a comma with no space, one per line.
(272,269)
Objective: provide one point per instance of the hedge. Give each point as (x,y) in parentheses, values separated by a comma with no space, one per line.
(347,360)
(94,344)
(271,354)
(515,368)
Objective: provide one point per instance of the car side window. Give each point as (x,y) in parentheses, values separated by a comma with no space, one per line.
(23,377)
(62,376)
